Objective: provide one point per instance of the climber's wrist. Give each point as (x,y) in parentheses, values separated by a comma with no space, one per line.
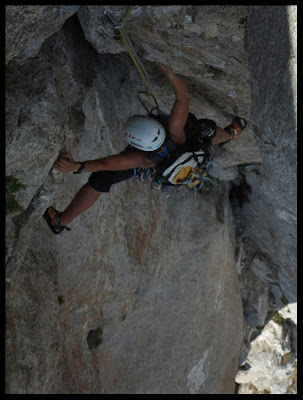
(79,167)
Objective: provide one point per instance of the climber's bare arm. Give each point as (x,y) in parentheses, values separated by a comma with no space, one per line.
(119,162)
(179,112)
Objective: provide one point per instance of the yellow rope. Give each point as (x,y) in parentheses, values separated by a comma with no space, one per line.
(129,9)
(132,57)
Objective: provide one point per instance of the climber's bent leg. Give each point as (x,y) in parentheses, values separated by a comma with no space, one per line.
(99,182)
(83,200)
(230,132)
(221,136)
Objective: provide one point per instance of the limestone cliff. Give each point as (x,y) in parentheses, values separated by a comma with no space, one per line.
(147,293)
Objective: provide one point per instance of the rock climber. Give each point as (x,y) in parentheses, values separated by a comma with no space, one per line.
(146,137)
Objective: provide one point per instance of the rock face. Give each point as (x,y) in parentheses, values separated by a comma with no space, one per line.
(148,294)
(268,252)
(27,27)
(271,363)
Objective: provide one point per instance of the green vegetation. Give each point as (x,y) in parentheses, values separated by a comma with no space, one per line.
(242,168)
(271,315)
(278,318)
(12,186)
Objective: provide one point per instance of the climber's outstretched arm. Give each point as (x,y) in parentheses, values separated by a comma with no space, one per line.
(119,162)
(179,112)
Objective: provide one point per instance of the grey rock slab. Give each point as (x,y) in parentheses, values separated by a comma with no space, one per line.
(27,27)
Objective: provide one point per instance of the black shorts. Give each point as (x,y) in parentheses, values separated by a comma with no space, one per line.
(102,180)
(208,128)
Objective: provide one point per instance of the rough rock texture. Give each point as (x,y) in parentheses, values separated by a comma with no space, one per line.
(210,56)
(147,293)
(27,27)
(267,258)
(275,120)
(271,363)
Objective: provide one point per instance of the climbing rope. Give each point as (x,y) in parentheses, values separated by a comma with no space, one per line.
(133,55)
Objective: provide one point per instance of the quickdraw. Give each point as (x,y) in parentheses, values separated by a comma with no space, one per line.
(197,180)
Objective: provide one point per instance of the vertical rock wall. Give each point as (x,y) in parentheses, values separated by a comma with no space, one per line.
(142,296)
(268,250)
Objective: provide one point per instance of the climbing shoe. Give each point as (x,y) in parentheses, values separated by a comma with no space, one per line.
(52,217)
(235,128)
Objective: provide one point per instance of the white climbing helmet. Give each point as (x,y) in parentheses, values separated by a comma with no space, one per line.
(144,133)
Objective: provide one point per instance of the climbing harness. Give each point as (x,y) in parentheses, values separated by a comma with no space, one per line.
(133,55)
